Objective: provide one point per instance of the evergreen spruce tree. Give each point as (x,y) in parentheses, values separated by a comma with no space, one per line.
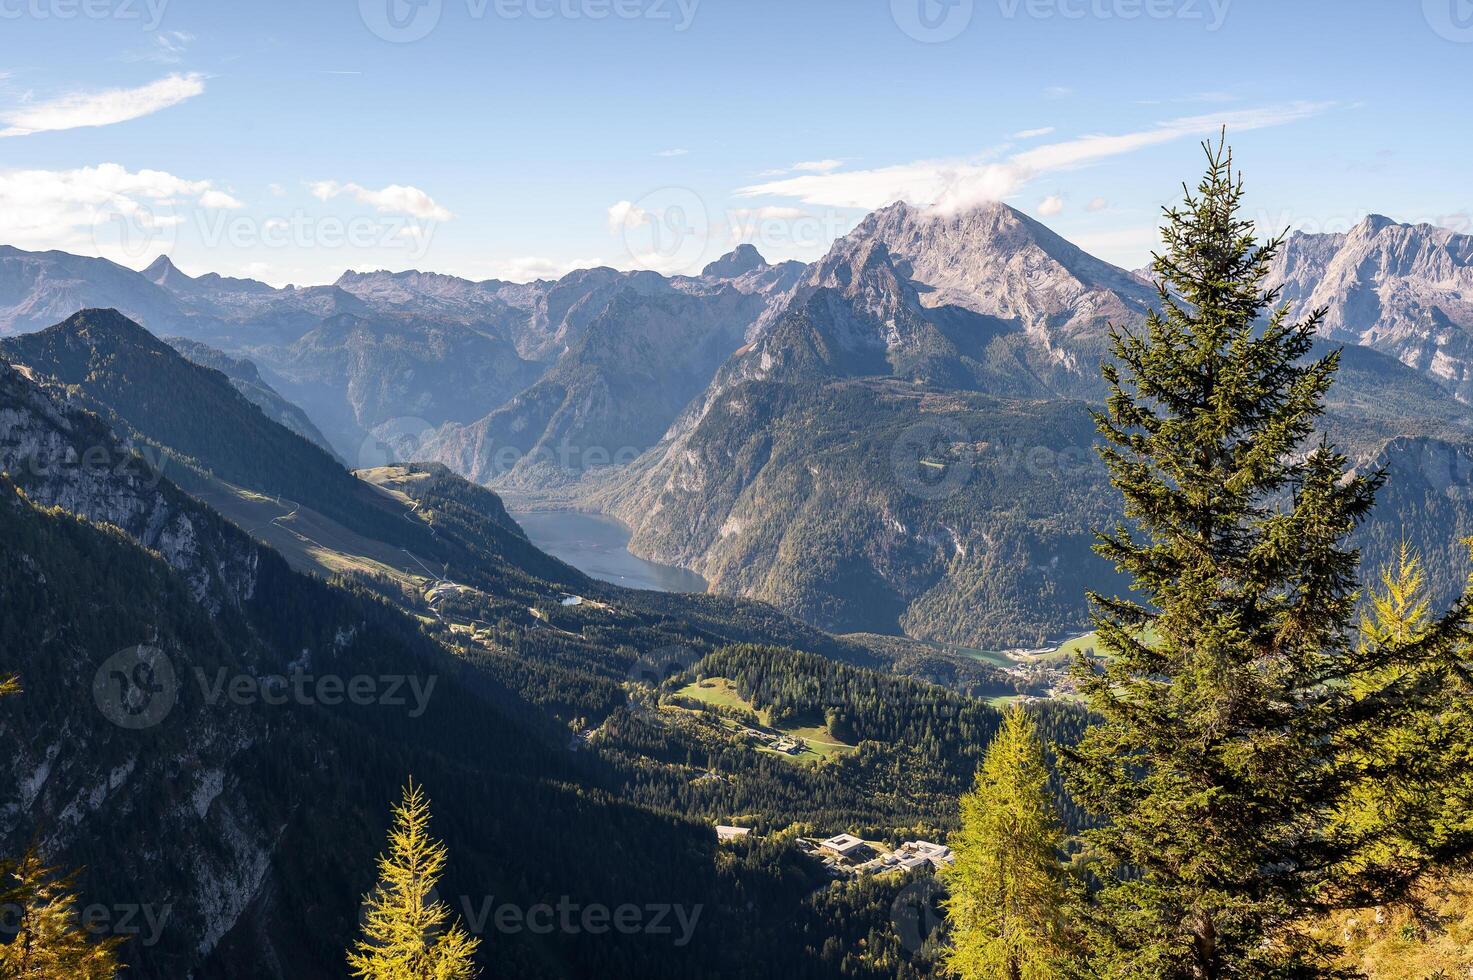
(49,942)
(407,931)
(1231,684)
(1007,887)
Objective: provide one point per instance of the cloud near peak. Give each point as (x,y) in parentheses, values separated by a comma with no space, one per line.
(957,184)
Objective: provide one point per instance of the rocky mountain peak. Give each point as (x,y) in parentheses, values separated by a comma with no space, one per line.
(738,262)
(1402,289)
(164,272)
(1372,224)
(994,260)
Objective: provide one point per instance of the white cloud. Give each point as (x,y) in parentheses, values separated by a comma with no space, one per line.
(393,199)
(625,215)
(1028,134)
(93,209)
(1050,206)
(100,108)
(219,199)
(525,268)
(1097,204)
(677,152)
(949,185)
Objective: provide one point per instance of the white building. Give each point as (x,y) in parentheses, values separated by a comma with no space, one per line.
(844,845)
(913,854)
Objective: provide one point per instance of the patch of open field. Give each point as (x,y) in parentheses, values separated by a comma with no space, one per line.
(819,744)
(309,541)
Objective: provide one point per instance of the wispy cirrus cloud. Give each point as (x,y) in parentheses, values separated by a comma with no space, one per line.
(393,199)
(169,48)
(1028,134)
(101,108)
(949,185)
(805,167)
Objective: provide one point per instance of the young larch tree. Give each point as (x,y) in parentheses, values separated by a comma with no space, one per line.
(1007,888)
(407,932)
(49,941)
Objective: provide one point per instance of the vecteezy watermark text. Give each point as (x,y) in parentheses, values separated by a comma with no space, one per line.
(329,690)
(149,13)
(404,21)
(140,924)
(142,231)
(138,687)
(569,918)
(1212,13)
(146,464)
(937,21)
(408,439)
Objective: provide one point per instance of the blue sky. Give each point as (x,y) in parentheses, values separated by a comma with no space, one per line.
(518,138)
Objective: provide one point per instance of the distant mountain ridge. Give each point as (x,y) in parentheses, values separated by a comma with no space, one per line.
(544,388)
(773,483)
(1406,290)
(622,380)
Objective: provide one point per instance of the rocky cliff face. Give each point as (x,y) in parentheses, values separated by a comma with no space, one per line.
(64,457)
(999,262)
(175,737)
(97,766)
(627,374)
(1406,290)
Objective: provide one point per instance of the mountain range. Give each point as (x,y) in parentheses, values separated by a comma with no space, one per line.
(894,438)
(163,593)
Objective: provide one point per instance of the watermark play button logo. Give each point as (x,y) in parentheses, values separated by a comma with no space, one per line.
(932,21)
(1451,19)
(649,672)
(136,687)
(400,21)
(916,913)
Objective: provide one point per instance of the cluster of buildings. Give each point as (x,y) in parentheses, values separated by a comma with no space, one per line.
(786,744)
(916,854)
(846,852)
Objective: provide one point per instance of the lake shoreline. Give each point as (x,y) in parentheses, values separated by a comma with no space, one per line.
(598,545)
